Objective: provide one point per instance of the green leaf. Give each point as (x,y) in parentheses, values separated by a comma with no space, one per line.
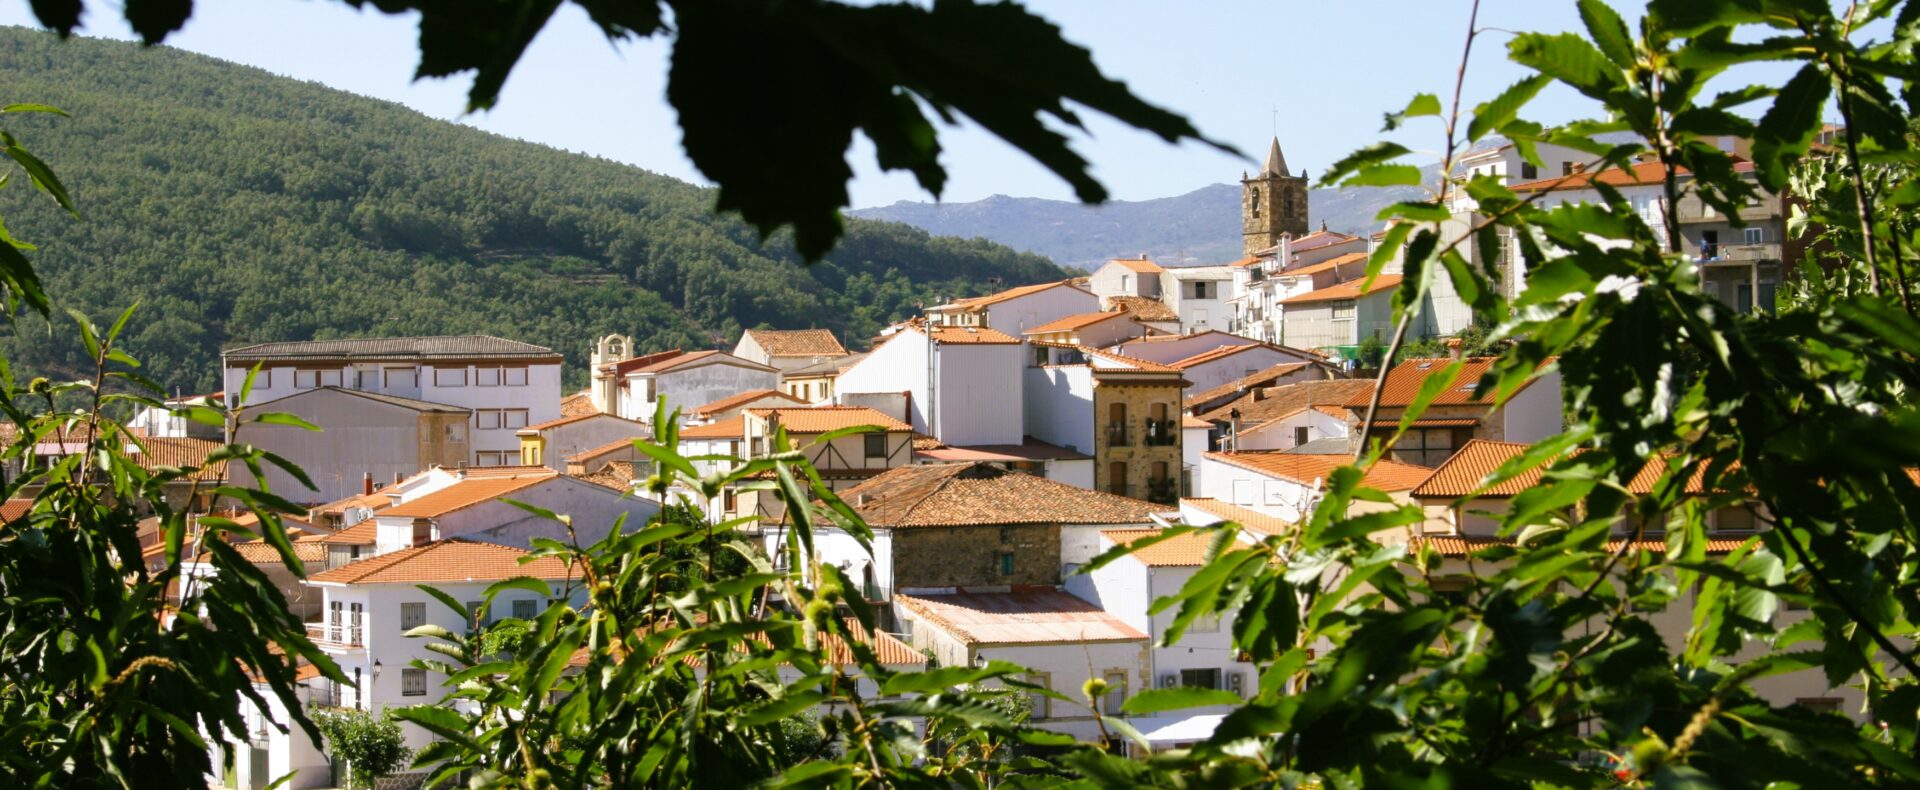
(1568,58)
(1384,176)
(1503,109)
(42,177)
(1423,104)
(29,107)
(282,418)
(1609,32)
(1378,153)
(1788,128)
(1160,700)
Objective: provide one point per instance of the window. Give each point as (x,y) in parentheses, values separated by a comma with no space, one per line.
(1006,563)
(1286,204)
(1566,168)
(457,432)
(1206,624)
(1038,700)
(1255,201)
(1300,435)
(726,500)
(493,458)
(513,418)
(1819,704)
(476,614)
(1117,478)
(1202,289)
(1733,519)
(403,378)
(876,445)
(1116,693)
(514,377)
(486,419)
(412,615)
(1200,678)
(1343,311)
(1756,235)
(1451,588)
(1528,171)
(523,608)
(486,377)
(1126,281)
(306,379)
(449,377)
(413,682)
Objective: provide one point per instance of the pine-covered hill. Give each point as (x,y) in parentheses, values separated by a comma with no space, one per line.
(237,206)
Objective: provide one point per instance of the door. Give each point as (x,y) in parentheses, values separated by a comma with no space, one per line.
(353,624)
(258,769)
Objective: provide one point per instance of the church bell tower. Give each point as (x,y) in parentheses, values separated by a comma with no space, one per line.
(1273,203)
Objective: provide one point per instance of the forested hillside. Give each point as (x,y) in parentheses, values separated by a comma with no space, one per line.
(237,206)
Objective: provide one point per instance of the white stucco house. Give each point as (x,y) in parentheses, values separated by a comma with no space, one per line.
(683,380)
(960,384)
(1289,485)
(364,436)
(1016,310)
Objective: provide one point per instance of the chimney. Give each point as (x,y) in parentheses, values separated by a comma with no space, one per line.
(366,483)
(1579,167)
(396,478)
(1454,346)
(1233,431)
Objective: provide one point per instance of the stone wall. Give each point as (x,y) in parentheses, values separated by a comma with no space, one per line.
(1134,451)
(970,556)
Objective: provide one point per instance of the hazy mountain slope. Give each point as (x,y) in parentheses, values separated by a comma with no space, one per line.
(238,206)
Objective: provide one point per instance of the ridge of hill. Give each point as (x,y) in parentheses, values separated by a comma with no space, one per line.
(1202,226)
(237,206)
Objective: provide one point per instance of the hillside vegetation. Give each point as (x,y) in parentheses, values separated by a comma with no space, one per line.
(237,206)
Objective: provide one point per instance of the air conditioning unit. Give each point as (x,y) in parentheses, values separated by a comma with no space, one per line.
(1237,683)
(1169,680)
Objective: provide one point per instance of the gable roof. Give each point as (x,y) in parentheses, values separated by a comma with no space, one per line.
(577,404)
(1305,468)
(1335,262)
(1404,381)
(1180,551)
(974,304)
(1638,174)
(365,533)
(591,453)
(797,342)
(1351,289)
(442,346)
(474,490)
(1321,238)
(538,427)
(411,404)
(1074,322)
(821,419)
(734,427)
(1030,449)
(1019,617)
(828,367)
(1462,472)
(1266,376)
(1245,517)
(1272,403)
(1140,264)
(447,560)
(972,335)
(617,475)
(742,399)
(980,493)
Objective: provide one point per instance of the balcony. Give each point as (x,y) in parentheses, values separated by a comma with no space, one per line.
(1162,433)
(1764,251)
(346,635)
(1118,489)
(1116,434)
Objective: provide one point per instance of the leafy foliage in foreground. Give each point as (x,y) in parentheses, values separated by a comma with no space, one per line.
(240,207)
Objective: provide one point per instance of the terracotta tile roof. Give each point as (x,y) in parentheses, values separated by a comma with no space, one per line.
(461,346)
(1403,383)
(1190,421)
(1429,422)
(1460,474)
(1218,352)
(887,649)
(11,510)
(365,533)
(1358,259)
(1272,403)
(479,472)
(1350,289)
(980,493)
(182,452)
(797,342)
(1304,468)
(1247,261)
(974,304)
(1245,517)
(449,560)
(1140,264)
(1073,322)
(588,455)
(1019,618)
(1259,378)
(972,336)
(1321,238)
(577,404)
(742,399)
(1122,359)
(262,553)
(630,364)
(1639,174)
(821,419)
(617,475)
(734,427)
(1143,308)
(1462,545)
(1030,450)
(1180,551)
(374,501)
(472,491)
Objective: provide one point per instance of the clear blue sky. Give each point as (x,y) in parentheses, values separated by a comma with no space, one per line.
(1330,68)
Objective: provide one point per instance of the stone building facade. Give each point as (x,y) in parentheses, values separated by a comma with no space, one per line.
(976,556)
(1137,436)
(1273,204)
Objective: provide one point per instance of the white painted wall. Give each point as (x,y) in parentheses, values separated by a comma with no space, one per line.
(977,393)
(1536,412)
(1113,279)
(583,435)
(1058,406)
(1016,316)
(1213,373)
(898,365)
(1066,667)
(1280,434)
(1166,351)
(699,383)
(1253,490)
(540,396)
(1073,472)
(358,436)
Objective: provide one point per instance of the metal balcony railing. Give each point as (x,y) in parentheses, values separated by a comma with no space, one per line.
(1116,435)
(1162,433)
(348,634)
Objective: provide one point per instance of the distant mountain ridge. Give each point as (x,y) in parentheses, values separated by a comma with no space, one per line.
(1202,226)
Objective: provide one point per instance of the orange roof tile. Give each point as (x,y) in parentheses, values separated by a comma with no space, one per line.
(1245,517)
(1330,264)
(1462,545)
(1245,262)
(1272,403)
(365,533)
(1320,238)
(577,404)
(263,553)
(974,304)
(1350,289)
(1404,381)
(1460,474)
(1218,352)
(1019,618)
(970,335)
(467,493)
(182,452)
(1180,551)
(1140,264)
(1267,376)
(742,399)
(980,493)
(1304,468)
(821,419)
(797,342)
(1073,322)
(11,510)
(1639,174)
(617,475)
(536,427)
(1143,308)
(734,427)
(1190,421)
(449,560)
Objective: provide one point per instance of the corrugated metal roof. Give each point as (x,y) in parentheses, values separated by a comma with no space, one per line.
(1019,618)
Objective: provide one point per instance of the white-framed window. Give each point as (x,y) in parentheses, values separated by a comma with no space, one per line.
(513,418)
(403,378)
(1343,310)
(412,615)
(1039,701)
(487,419)
(486,377)
(449,377)
(413,682)
(1756,235)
